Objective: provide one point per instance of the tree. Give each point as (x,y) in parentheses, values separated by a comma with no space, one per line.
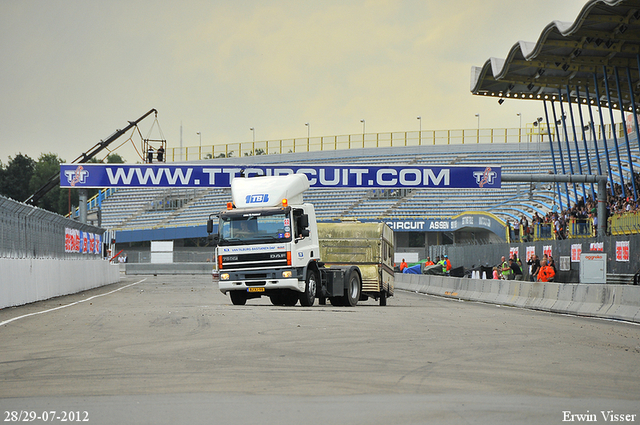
(17,176)
(22,176)
(114,158)
(48,165)
(2,173)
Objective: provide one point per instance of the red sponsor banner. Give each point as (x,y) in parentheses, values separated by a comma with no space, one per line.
(68,240)
(531,251)
(596,246)
(82,242)
(622,250)
(514,251)
(576,250)
(546,250)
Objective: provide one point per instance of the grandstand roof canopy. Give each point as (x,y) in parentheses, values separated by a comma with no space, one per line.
(606,34)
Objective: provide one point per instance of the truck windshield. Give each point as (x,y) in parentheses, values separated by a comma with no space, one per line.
(247,229)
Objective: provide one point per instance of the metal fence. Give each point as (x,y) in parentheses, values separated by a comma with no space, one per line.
(30,232)
(527,134)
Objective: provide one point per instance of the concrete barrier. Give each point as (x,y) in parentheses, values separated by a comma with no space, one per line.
(168,268)
(28,280)
(620,302)
(624,301)
(564,300)
(520,292)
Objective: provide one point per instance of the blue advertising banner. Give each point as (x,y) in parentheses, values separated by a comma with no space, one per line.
(320,176)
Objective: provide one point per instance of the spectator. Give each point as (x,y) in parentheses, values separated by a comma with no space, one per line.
(534,267)
(515,267)
(428,262)
(447,265)
(551,263)
(495,273)
(150,155)
(403,265)
(546,273)
(160,153)
(506,271)
(443,264)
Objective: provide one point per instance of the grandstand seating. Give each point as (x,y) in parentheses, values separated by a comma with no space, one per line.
(139,208)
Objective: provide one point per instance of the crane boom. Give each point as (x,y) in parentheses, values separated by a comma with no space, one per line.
(84,157)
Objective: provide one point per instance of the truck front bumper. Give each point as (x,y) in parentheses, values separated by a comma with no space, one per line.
(267,279)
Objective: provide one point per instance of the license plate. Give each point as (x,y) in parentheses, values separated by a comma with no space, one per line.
(255,289)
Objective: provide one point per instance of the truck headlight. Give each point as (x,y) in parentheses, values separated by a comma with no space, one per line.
(287,273)
(224,276)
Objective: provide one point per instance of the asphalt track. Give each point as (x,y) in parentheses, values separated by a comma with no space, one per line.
(173,350)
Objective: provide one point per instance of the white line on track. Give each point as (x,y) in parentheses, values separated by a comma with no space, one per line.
(69,305)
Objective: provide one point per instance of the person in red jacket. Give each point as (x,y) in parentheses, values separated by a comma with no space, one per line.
(546,273)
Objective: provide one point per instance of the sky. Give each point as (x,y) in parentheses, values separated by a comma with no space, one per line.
(74,71)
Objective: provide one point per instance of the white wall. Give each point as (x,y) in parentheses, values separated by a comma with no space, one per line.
(24,281)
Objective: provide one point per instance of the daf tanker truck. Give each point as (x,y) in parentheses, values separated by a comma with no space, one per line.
(268,245)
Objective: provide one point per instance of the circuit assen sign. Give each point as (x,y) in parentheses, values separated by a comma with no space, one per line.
(465,220)
(320,176)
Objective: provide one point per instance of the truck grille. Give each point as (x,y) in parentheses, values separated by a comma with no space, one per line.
(251,261)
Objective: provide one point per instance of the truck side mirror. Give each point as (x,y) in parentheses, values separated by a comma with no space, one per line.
(210,226)
(304,221)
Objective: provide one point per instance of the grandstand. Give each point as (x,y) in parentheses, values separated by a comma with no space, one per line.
(158,208)
(150,208)
(147,208)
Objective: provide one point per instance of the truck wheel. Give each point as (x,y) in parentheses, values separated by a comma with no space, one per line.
(353,290)
(290,298)
(383,298)
(337,301)
(308,297)
(238,297)
(276,299)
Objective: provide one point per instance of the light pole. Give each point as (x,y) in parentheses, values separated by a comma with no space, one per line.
(200,147)
(520,127)
(419,118)
(308,131)
(538,123)
(253,130)
(363,127)
(478,133)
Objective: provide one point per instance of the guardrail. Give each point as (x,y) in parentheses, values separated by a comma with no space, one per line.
(528,134)
(94,202)
(576,228)
(624,224)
